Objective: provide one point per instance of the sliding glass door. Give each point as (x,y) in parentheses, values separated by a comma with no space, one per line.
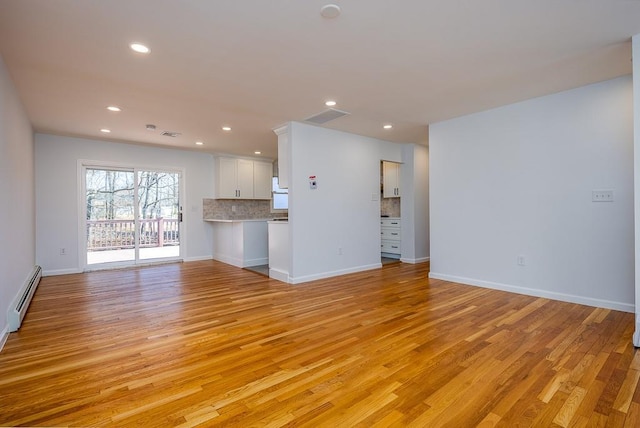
(132,215)
(159,214)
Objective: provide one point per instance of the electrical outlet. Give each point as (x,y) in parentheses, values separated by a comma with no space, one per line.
(63,251)
(602,196)
(521,261)
(233,208)
(339,251)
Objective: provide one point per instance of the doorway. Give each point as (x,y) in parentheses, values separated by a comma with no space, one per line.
(390,218)
(131,216)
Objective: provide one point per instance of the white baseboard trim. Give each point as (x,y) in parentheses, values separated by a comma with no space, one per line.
(240,262)
(4,335)
(256,262)
(57,272)
(279,275)
(198,258)
(569,298)
(415,261)
(228,260)
(324,275)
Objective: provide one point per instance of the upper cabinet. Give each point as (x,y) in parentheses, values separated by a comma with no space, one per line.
(390,179)
(243,179)
(283,156)
(262,174)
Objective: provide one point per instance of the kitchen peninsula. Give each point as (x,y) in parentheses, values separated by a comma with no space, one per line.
(241,243)
(240,233)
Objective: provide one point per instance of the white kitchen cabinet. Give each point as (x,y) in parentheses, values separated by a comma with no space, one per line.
(390,237)
(279,251)
(243,179)
(262,174)
(390,179)
(227,178)
(283,155)
(241,243)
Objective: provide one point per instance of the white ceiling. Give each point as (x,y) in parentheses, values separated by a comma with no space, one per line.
(255,64)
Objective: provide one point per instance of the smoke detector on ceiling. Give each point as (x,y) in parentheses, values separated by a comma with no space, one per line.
(330,11)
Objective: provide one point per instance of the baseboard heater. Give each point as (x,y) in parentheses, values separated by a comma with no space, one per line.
(19,306)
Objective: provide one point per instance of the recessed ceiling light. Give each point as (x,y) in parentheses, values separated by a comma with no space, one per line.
(330,11)
(226,128)
(330,103)
(388,126)
(199,143)
(114,108)
(105,130)
(140,48)
(257,152)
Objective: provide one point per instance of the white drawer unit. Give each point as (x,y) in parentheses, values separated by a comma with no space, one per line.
(390,237)
(390,234)
(390,222)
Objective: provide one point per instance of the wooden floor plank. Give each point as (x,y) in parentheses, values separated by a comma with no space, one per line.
(208,344)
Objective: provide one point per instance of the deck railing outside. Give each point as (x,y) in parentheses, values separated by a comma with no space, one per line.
(120,234)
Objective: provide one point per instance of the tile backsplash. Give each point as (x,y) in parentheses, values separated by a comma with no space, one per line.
(223,209)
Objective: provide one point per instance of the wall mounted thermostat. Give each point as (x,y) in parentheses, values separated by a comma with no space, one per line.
(313,183)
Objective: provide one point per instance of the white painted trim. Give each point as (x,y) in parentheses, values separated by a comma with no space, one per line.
(570,298)
(198,258)
(3,337)
(256,262)
(228,260)
(56,272)
(127,265)
(635,58)
(279,275)
(240,262)
(121,266)
(415,261)
(323,275)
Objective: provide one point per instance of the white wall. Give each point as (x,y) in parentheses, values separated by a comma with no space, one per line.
(517,180)
(57,196)
(341,213)
(17,218)
(415,203)
(635,41)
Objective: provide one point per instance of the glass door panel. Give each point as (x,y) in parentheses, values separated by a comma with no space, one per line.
(110,216)
(159,214)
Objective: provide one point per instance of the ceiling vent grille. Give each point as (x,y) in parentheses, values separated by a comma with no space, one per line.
(171,134)
(326,116)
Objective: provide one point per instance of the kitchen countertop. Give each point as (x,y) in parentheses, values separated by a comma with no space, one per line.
(236,220)
(241,220)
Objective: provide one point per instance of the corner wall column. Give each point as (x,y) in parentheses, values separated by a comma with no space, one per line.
(636,176)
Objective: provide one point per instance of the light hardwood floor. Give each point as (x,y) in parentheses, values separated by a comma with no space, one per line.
(206,343)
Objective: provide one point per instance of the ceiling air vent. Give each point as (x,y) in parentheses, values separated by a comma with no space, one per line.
(171,134)
(326,116)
